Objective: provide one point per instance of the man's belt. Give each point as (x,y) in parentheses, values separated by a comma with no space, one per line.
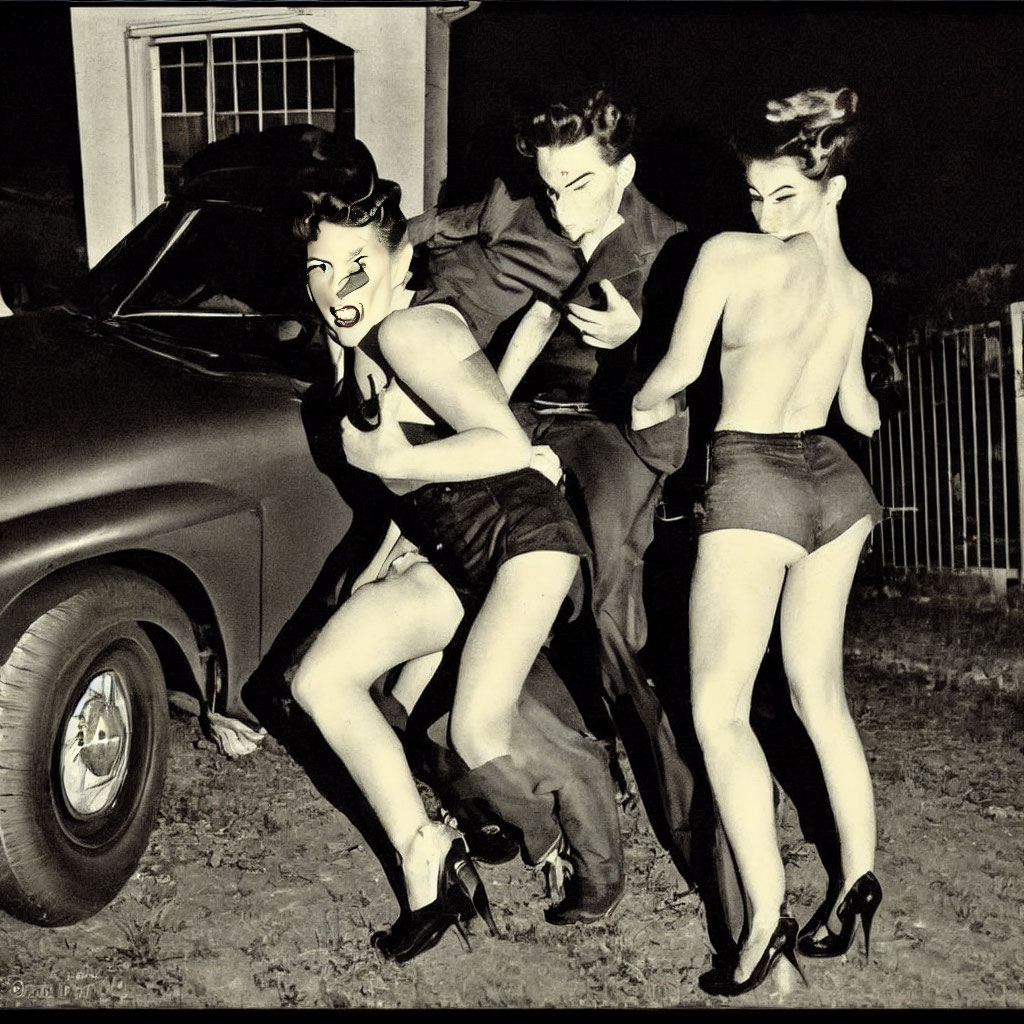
(544,405)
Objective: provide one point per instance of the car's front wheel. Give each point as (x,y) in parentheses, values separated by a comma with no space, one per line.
(83,745)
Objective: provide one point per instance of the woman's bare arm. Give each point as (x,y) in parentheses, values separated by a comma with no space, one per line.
(858,406)
(701,309)
(528,341)
(436,359)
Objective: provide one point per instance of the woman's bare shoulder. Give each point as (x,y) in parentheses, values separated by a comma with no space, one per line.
(731,252)
(859,290)
(728,244)
(429,316)
(431,329)
(863,285)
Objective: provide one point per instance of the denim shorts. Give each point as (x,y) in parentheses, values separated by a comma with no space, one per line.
(469,529)
(802,486)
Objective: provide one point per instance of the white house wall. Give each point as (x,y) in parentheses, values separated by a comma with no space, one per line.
(400,97)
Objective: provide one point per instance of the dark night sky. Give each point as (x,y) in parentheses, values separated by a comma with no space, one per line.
(38,123)
(938,189)
(942,88)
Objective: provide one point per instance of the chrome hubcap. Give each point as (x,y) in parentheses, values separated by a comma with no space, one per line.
(95,745)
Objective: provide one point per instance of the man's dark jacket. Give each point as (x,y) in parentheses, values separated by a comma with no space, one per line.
(490,259)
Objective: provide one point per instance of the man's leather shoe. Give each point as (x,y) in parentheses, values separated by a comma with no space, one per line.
(584,902)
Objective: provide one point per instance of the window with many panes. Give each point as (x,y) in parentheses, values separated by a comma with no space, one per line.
(219,84)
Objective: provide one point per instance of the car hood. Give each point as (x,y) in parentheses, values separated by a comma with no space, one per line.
(84,413)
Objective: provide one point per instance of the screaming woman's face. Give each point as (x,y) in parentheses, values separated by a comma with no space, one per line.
(783,201)
(351,278)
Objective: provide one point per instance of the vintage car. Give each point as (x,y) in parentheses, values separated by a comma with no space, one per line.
(162,517)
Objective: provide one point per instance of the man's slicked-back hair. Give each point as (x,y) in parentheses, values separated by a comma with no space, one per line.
(574,115)
(340,185)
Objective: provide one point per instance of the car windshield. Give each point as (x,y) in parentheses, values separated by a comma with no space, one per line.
(216,284)
(225,259)
(118,272)
(199,258)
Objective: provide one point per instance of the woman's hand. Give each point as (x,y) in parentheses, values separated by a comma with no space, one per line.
(376,450)
(545,460)
(641,419)
(406,554)
(393,547)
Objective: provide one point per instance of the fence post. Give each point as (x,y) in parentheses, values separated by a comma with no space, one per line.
(1016,343)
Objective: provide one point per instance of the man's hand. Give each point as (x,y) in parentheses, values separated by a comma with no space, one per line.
(546,461)
(374,450)
(234,737)
(605,328)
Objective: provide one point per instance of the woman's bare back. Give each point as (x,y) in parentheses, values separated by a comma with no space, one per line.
(789,326)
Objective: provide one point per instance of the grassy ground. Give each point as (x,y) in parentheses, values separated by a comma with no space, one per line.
(257,892)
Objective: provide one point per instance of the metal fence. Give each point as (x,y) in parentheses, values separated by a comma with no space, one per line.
(947,469)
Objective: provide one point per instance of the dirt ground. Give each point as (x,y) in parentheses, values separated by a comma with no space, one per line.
(256,891)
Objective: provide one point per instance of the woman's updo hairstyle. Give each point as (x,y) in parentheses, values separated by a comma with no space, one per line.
(339,184)
(572,117)
(815,126)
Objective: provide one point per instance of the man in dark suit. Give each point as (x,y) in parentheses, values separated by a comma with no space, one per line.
(572,289)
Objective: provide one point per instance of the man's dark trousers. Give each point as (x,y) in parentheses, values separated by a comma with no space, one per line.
(614,493)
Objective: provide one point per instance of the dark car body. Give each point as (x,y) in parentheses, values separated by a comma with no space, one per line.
(118,452)
(154,446)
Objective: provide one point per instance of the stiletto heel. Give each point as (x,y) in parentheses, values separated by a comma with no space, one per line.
(789,952)
(860,903)
(866,917)
(460,930)
(720,982)
(460,896)
(473,886)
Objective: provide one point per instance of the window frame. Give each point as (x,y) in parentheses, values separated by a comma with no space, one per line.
(336,56)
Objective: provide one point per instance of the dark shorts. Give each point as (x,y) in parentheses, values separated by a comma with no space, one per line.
(469,529)
(802,486)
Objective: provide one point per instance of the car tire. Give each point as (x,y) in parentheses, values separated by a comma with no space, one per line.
(83,750)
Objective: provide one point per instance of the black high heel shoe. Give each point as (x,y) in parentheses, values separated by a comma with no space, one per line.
(860,902)
(472,886)
(720,982)
(460,897)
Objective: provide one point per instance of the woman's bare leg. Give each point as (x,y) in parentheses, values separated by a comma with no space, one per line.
(414,678)
(736,585)
(505,639)
(381,625)
(813,613)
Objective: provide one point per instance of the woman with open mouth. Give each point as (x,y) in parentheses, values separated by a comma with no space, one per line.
(486,540)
